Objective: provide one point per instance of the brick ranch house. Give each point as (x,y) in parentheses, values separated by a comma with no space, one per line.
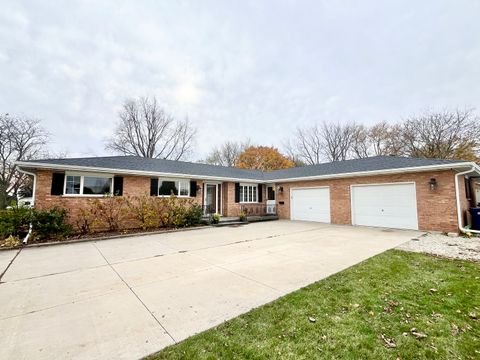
(383,191)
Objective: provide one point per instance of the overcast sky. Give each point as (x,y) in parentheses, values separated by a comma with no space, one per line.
(238,69)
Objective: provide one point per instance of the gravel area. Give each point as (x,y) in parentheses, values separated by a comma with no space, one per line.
(442,245)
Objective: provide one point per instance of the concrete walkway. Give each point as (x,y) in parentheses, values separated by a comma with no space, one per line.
(126,298)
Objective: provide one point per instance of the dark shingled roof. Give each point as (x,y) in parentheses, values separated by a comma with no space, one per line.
(357,165)
(135,163)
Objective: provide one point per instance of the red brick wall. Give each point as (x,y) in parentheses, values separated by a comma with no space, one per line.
(436,209)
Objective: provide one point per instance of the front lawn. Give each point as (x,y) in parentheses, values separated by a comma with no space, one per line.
(397,305)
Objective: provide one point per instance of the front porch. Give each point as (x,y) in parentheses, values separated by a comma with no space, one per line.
(235,220)
(250,213)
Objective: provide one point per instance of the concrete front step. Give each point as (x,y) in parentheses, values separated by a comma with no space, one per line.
(225,221)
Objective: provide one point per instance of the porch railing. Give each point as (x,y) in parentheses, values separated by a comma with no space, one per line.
(258,209)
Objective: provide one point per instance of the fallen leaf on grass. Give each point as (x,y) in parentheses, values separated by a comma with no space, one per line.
(418,334)
(455,330)
(391,306)
(389,343)
(312,319)
(472,315)
(433,290)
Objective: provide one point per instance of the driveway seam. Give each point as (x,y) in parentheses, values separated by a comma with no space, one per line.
(10,264)
(57,273)
(135,294)
(61,305)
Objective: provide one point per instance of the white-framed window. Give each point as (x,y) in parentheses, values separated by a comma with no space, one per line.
(88,184)
(177,187)
(248,193)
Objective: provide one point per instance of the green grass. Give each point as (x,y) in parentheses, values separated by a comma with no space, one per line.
(389,294)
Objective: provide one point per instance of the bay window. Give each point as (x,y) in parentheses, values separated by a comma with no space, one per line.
(177,187)
(248,193)
(98,185)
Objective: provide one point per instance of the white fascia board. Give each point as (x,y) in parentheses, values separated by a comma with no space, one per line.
(379,172)
(258,181)
(129,172)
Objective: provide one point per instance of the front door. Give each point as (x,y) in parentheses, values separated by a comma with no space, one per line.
(271,199)
(211,199)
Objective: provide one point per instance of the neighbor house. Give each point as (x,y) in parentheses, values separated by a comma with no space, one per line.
(383,191)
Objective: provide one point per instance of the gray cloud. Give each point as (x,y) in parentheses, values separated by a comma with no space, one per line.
(238,70)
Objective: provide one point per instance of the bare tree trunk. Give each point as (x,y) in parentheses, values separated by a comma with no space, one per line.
(146,130)
(20,139)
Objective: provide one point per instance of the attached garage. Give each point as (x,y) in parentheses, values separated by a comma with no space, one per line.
(310,204)
(385,205)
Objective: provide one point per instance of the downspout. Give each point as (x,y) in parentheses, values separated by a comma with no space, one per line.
(30,228)
(34,183)
(457,194)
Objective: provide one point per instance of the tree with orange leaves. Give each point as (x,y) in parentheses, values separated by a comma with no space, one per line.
(263,158)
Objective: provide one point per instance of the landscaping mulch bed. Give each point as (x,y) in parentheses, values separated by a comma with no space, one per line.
(104,236)
(454,247)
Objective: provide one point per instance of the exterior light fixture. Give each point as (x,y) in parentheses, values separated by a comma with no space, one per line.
(433,184)
(280,189)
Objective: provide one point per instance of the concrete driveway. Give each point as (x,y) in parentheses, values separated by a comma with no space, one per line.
(126,298)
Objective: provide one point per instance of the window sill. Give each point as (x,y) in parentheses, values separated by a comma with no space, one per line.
(84,196)
(177,196)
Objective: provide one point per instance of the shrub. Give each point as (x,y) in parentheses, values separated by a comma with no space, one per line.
(177,212)
(50,224)
(85,220)
(46,223)
(15,221)
(194,215)
(215,219)
(12,241)
(243,216)
(144,209)
(167,210)
(110,212)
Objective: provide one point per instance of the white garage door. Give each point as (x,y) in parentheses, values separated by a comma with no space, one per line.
(389,205)
(310,204)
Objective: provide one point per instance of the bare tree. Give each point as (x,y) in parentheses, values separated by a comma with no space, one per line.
(378,140)
(324,142)
(338,139)
(290,151)
(146,130)
(227,153)
(307,145)
(21,138)
(445,135)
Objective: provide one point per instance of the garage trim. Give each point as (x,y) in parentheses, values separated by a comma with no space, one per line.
(311,187)
(380,184)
